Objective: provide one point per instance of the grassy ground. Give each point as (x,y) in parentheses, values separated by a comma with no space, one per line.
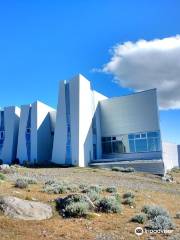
(148,189)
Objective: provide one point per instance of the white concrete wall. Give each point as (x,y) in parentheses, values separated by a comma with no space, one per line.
(129,114)
(21,149)
(170,155)
(41,137)
(83,106)
(59,145)
(11,124)
(44,134)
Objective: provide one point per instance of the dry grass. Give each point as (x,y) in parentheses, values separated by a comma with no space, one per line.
(111,226)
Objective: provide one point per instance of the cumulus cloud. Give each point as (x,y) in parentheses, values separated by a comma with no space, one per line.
(145,64)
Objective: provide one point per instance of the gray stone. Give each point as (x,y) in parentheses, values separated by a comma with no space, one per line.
(23,209)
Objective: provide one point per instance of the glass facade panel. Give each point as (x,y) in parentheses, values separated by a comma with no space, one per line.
(131,146)
(118,147)
(138,142)
(107,148)
(141,145)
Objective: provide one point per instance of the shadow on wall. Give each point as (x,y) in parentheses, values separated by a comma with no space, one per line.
(45,137)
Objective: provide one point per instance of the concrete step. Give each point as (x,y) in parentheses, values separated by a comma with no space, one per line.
(149,166)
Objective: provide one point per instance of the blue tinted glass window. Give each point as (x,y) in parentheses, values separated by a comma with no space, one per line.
(107,147)
(137,136)
(131,146)
(143,135)
(153,134)
(141,145)
(131,136)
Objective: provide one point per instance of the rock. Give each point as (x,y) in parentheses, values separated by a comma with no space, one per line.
(168,178)
(4,166)
(23,209)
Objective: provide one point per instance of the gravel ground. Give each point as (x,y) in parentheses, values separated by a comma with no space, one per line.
(131,181)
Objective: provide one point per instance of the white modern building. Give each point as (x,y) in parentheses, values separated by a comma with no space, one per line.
(36,133)
(9,126)
(171,155)
(89,129)
(92,129)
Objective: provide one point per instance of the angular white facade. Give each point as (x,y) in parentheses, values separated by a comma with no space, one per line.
(36,130)
(73,139)
(171,155)
(90,128)
(9,126)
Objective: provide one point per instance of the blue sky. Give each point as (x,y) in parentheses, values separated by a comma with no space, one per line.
(42,42)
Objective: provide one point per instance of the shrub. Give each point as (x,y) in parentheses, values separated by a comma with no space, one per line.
(121,169)
(128,195)
(117,197)
(2,177)
(175,237)
(146,209)
(129,169)
(161,222)
(76,209)
(59,188)
(118,169)
(30,180)
(21,183)
(129,201)
(111,189)
(72,188)
(74,205)
(154,211)
(93,195)
(139,218)
(108,204)
(95,188)
(55,188)
(83,186)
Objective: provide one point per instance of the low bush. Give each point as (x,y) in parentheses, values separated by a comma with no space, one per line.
(108,204)
(159,218)
(174,237)
(139,218)
(74,205)
(128,201)
(83,186)
(30,180)
(59,187)
(129,169)
(76,209)
(128,195)
(21,183)
(93,195)
(122,169)
(117,169)
(90,188)
(117,197)
(161,222)
(111,189)
(154,211)
(55,188)
(2,177)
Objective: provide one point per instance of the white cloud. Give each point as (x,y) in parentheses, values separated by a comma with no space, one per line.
(149,64)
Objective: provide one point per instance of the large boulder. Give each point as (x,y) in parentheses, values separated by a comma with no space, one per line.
(23,209)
